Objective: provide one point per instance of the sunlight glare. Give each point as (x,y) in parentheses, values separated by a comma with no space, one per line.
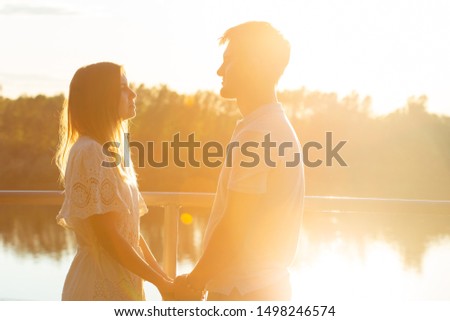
(336,270)
(186,218)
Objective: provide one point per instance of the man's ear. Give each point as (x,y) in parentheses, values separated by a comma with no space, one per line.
(259,73)
(255,65)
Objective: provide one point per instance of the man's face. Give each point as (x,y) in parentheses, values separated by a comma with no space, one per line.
(233,73)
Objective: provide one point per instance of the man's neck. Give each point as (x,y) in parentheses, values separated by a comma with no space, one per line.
(249,103)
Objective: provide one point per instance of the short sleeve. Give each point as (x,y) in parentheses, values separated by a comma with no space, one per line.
(91,188)
(249,167)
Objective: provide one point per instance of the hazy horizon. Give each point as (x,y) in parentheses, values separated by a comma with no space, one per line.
(388,51)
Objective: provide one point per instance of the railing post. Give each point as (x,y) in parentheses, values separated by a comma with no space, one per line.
(171,213)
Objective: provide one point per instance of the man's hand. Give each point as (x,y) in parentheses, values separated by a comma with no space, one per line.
(184,290)
(167,291)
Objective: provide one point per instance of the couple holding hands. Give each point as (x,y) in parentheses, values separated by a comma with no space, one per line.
(252,233)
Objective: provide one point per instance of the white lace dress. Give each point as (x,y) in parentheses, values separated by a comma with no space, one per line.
(92,189)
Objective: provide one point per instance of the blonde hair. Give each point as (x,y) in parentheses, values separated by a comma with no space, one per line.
(92,109)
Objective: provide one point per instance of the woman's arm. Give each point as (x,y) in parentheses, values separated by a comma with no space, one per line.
(149,256)
(109,238)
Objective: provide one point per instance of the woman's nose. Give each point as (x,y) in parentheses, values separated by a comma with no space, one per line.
(220,71)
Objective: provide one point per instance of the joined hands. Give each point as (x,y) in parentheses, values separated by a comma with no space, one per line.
(184,291)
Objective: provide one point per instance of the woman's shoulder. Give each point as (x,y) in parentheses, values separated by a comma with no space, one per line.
(86,148)
(86,142)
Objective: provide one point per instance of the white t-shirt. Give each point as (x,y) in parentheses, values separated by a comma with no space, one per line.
(276,173)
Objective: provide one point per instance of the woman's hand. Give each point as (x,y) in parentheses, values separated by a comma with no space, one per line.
(166,289)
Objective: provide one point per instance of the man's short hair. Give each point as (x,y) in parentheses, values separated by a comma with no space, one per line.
(258,39)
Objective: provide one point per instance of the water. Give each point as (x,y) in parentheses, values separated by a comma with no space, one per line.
(341,255)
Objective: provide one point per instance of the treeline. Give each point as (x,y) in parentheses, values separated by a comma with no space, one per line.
(405,154)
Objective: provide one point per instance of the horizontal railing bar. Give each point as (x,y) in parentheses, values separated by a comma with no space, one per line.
(376,205)
(312,203)
(179,198)
(31,197)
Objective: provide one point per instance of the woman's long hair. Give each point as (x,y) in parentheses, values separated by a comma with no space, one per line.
(92,109)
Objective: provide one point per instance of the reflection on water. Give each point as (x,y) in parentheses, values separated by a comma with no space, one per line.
(351,255)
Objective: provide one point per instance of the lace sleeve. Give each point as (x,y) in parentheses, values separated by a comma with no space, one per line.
(90,187)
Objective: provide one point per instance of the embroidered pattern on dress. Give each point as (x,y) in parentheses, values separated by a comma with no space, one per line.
(107,192)
(80,195)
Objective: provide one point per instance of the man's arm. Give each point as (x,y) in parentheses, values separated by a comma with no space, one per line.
(227,239)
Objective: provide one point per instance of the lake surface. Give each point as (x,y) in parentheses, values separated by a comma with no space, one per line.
(340,255)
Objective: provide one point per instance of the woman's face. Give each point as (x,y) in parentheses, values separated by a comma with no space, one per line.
(127,108)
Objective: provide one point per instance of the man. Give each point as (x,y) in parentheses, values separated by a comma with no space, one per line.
(252,234)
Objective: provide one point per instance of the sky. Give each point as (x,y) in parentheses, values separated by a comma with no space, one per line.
(387,49)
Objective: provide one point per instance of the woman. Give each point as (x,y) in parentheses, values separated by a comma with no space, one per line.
(102,202)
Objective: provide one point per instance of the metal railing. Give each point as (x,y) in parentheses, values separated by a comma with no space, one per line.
(172,202)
